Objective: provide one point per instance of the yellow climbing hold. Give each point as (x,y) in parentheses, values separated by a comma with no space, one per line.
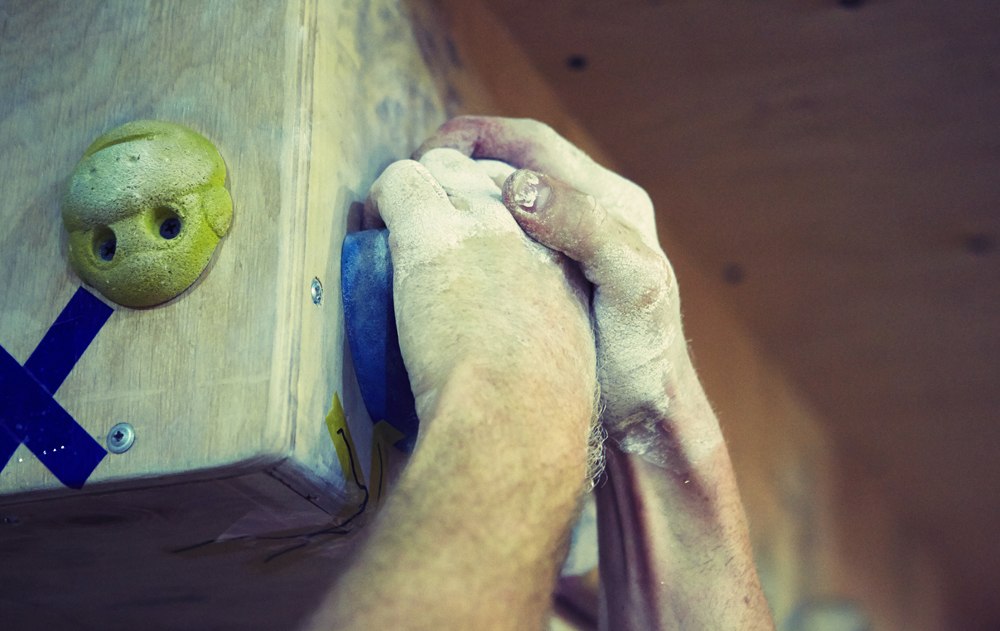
(145,209)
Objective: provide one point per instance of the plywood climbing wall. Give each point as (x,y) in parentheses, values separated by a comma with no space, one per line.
(306,102)
(227,387)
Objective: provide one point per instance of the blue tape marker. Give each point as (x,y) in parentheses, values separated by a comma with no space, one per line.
(67,339)
(28,411)
(370,323)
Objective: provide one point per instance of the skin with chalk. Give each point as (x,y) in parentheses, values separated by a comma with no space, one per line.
(504,348)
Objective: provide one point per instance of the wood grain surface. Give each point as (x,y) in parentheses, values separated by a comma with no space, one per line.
(306,101)
(199,524)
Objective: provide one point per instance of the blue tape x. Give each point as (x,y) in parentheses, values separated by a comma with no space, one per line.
(28,412)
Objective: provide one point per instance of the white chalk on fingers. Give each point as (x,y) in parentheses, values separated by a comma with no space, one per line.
(427,219)
(458,173)
(470,189)
(422,221)
(496,170)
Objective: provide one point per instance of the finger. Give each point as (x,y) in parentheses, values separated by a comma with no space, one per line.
(635,302)
(421,220)
(386,202)
(526,143)
(470,189)
(445,172)
(458,174)
(522,142)
(611,252)
(496,170)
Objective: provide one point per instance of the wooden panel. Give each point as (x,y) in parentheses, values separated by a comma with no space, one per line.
(371,99)
(307,102)
(228,385)
(203,379)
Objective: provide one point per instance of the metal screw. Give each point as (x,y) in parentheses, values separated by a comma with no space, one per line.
(317,291)
(120,438)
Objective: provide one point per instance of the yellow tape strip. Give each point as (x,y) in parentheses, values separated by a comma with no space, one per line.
(384,454)
(340,434)
(347,455)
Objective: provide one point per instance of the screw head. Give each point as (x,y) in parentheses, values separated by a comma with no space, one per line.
(120,438)
(316,289)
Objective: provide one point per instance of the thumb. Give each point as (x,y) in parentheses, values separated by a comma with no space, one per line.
(555,214)
(612,254)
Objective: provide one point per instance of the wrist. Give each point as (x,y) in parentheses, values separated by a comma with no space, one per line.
(482,408)
(677,428)
(481,508)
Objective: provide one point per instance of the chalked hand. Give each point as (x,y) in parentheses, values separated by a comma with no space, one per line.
(673,534)
(474,293)
(565,200)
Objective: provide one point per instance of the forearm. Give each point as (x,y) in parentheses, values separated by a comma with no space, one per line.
(675,550)
(674,543)
(473,534)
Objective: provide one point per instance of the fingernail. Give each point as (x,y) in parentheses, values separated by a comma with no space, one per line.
(524,191)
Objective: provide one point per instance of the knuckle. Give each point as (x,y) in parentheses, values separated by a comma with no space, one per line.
(656,284)
(628,196)
(650,276)
(641,198)
(455,124)
(591,219)
(397,172)
(411,176)
(462,120)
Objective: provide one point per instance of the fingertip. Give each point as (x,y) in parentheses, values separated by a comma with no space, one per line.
(554,213)
(403,183)
(524,191)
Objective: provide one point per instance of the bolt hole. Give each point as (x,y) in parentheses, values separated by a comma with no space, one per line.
(170,228)
(105,245)
(107,249)
(576,62)
(733,273)
(979,244)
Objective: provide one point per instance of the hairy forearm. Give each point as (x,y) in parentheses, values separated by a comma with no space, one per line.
(675,550)
(473,535)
